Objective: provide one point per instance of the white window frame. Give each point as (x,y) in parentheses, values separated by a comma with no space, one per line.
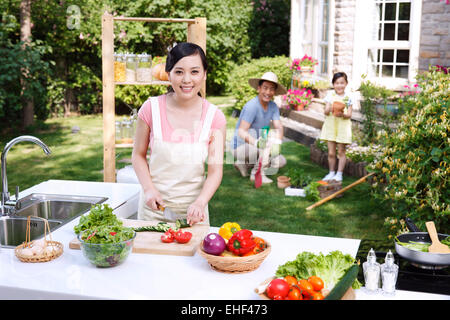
(362,44)
(297,37)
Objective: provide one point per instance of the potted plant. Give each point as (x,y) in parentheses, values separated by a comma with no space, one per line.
(298,99)
(320,88)
(302,68)
(306,63)
(298,179)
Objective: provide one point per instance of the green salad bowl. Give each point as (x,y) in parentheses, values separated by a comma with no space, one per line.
(105,255)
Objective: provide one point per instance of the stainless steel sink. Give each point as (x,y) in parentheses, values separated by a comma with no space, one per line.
(13,229)
(57,209)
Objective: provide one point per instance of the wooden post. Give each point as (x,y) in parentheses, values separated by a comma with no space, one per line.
(109,157)
(196,33)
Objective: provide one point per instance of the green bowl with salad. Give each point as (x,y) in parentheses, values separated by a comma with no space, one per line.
(107,246)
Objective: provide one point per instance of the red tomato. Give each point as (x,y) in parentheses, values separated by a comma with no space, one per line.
(306,288)
(167,237)
(291,280)
(295,293)
(317,296)
(277,287)
(183,236)
(316,282)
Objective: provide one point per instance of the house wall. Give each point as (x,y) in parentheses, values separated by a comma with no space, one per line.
(344,35)
(435,35)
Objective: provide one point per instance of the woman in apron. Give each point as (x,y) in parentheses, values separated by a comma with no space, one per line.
(184,132)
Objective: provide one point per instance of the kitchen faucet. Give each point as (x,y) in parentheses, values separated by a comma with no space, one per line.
(9,206)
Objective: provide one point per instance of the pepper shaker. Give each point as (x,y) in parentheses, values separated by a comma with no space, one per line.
(371,269)
(389,273)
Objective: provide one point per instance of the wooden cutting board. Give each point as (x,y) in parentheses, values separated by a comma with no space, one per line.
(150,242)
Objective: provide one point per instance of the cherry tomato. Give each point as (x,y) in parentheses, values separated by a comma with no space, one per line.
(167,237)
(183,236)
(316,282)
(317,296)
(291,280)
(277,287)
(306,288)
(295,293)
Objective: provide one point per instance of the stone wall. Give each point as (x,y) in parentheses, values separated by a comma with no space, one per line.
(343,36)
(435,35)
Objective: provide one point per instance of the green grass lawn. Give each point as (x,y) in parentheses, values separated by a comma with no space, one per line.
(79,156)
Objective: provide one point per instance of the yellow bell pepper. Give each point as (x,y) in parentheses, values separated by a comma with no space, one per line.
(228,228)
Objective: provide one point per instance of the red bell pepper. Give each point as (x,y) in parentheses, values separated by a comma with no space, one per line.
(241,242)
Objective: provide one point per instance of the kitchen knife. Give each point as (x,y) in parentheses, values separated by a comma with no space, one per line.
(169,214)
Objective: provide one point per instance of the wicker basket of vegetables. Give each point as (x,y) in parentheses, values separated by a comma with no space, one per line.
(242,252)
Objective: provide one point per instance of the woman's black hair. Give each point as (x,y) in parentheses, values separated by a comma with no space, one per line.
(184,49)
(181,50)
(338,75)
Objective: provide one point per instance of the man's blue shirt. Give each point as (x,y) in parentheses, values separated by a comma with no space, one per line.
(254,114)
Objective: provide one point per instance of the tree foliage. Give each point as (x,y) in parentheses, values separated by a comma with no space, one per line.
(66,52)
(269,28)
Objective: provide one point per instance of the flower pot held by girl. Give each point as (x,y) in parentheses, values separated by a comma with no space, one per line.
(338,107)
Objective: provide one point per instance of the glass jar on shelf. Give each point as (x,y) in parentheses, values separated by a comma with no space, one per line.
(144,68)
(119,67)
(127,135)
(131,67)
(118,132)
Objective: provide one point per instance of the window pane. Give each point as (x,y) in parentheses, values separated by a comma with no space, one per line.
(373,70)
(403,31)
(387,71)
(324,60)
(389,31)
(403,56)
(401,72)
(404,12)
(388,56)
(325,21)
(380,31)
(389,13)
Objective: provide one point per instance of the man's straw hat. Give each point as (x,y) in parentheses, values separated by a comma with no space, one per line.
(268,76)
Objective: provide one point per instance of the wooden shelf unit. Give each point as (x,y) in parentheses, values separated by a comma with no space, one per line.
(196,33)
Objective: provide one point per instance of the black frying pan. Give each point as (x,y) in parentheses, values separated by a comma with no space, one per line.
(423,258)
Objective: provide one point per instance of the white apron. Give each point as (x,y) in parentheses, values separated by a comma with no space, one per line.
(177,169)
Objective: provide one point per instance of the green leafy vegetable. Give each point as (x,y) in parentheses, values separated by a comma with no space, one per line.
(446,241)
(107,234)
(100,215)
(107,246)
(330,268)
(312,192)
(420,246)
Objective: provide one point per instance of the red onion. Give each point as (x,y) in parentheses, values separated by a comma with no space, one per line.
(214,244)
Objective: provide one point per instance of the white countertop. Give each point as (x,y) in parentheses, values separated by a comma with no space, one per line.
(149,276)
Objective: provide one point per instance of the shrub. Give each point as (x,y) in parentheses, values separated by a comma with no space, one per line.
(238,81)
(413,171)
(373,94)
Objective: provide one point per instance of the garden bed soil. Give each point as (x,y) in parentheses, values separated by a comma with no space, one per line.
(352,169)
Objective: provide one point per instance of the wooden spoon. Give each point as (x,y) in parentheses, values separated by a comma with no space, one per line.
(436,246)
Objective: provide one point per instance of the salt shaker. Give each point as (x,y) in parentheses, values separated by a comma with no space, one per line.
(371,269)
(389,273)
